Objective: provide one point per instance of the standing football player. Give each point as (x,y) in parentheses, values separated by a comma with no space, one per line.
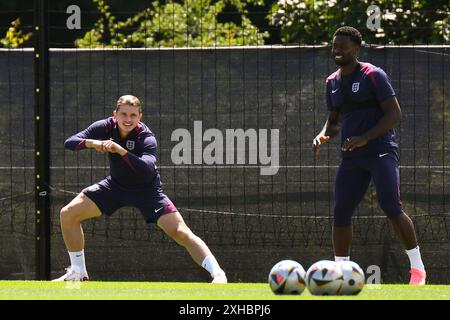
(134,181)
(361,100)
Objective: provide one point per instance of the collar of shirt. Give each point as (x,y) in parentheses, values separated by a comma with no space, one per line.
(116,134)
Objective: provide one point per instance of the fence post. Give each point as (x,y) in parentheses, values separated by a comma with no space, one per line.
(42,139)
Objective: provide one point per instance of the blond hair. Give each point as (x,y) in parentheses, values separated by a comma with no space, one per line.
(130,101)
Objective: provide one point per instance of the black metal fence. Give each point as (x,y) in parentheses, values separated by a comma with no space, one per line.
(249,219)
(254,204)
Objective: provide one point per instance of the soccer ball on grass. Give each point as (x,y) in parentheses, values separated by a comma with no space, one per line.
(353,278)
(324,278)
(287,277)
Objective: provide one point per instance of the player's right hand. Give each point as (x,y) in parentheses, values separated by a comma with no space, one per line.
(318,140)
(98,146)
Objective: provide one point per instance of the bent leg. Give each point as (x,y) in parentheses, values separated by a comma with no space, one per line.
(79,209)
(350,186)
(386,178)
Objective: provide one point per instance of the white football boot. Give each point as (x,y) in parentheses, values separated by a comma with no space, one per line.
(72,275)
(220,278)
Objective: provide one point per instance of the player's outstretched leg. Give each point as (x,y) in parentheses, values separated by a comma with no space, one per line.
(175,227)
(404,228)
(79,209)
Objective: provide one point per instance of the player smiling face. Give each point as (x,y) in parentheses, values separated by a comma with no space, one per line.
(128,114)
(344,50)
(346,44)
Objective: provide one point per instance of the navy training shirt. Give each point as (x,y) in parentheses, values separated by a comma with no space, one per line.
(358,98)
(137,168)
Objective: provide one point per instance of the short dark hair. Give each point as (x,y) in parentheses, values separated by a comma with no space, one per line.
(350,32)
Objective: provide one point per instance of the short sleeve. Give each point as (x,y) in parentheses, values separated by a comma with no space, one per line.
(330,106)
(381,85)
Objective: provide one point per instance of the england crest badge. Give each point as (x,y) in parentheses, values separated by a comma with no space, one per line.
(355,87)
(130,144)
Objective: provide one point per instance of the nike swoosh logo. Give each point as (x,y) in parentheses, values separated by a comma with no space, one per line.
(157,210)
(333,91)
(382,155)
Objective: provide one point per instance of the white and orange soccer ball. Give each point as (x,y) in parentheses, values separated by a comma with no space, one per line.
(287,277)
(324,278)
(353,278)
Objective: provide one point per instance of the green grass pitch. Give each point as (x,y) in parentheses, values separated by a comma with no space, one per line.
(94,290)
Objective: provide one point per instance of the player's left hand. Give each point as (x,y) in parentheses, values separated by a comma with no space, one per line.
(113,147)
(354,142)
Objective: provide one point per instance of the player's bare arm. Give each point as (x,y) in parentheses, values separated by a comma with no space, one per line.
(392,116)
(328,132)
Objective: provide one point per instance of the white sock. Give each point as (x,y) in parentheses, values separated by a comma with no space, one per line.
(212,266)
(337,259)
(77,261)
(415,259)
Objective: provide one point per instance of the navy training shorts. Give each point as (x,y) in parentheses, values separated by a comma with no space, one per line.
(109,197)
(352,181)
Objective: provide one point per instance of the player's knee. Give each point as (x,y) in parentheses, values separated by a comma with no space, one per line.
(341,223)
(182,235)
(392,211)
(342,216)
(64,215)
(67,215)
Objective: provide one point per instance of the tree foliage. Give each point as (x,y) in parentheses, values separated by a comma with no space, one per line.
(402,21)
(186,23)
(193,23)
(15,37)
